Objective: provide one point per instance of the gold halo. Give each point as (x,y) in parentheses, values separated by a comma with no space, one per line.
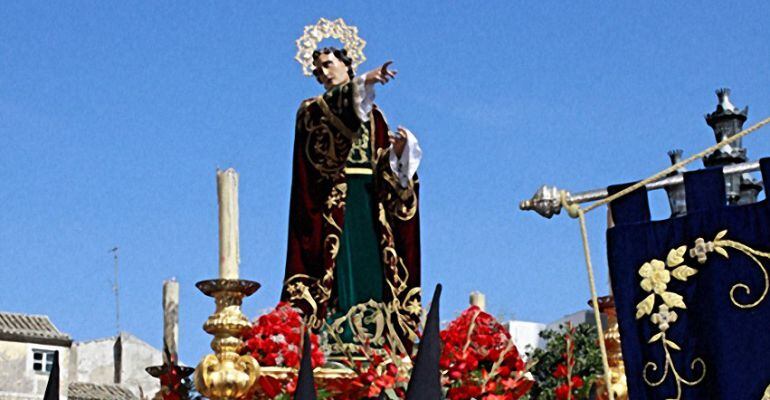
(337,29)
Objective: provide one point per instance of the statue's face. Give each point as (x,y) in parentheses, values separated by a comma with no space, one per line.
(331,70)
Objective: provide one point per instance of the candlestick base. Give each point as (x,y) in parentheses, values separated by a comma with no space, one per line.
(157,371)
(226,375)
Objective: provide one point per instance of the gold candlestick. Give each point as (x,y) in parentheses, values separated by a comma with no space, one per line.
(226,375)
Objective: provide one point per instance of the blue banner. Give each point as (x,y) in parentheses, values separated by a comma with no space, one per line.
(692,294)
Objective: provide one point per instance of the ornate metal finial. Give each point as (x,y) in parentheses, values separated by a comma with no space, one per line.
(726,121)
(723,94)
(324,29)
(546,201)
(726,111)
(676,156)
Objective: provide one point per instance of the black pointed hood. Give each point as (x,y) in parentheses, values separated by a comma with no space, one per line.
(306,381)
(425,383)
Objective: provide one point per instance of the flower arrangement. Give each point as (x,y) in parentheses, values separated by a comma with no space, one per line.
(480,361)
(567,367)
(382,374)
(570,388)
(275,340)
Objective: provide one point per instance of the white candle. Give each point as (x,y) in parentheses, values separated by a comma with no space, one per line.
(479,300)
(229,249)
(170,317)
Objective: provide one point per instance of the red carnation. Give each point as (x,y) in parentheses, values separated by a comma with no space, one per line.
(577,382)
(562,392)
(560,372)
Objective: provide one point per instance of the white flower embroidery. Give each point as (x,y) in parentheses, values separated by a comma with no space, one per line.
(700,250)
(663,317)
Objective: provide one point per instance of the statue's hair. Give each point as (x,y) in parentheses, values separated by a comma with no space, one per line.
(341,55)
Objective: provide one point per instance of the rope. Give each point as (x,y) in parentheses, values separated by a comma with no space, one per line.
(595,304)
(678,165)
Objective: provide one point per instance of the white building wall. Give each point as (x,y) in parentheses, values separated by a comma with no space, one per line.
(18,381)
(526,335)
(94,363)
(138,355)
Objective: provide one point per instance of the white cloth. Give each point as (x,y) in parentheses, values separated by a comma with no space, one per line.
(406,166)
(363,98)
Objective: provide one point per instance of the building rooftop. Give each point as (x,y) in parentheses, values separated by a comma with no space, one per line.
(31,328)
(92,391)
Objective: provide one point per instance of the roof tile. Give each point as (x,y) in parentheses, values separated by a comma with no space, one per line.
(92,391)
(27,326)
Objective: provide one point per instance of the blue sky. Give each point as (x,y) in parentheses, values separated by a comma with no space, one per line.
(115,115)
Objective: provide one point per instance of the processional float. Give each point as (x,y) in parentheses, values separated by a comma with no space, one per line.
(231,373)
(226,374)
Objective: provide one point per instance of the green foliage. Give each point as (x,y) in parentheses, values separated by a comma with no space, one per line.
(587,356)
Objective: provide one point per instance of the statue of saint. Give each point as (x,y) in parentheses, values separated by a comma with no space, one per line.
(354,220)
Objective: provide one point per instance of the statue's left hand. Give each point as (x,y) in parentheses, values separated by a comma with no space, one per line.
(398,141)
(382,75)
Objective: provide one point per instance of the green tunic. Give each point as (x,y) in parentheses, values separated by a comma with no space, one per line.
(359,270)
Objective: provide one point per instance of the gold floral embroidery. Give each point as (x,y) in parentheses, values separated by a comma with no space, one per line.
(358,153)
(656,277)
(337,196)
(372,323)
(325,149)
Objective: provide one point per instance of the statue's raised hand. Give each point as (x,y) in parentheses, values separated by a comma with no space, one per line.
(382,75)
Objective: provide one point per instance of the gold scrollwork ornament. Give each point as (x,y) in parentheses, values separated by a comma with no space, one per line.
(719,245)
